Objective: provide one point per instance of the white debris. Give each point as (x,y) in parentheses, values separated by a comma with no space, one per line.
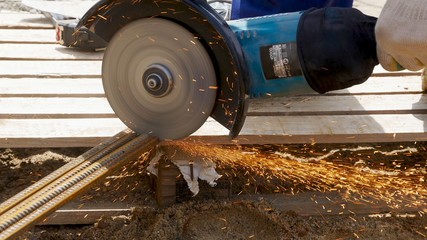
(152,166)
(202,169)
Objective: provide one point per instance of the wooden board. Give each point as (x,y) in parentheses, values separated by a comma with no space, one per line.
(257,130)
(24,21)
(82,216)
(55,107)
(310,203)
(314,203)
(339,105)
(65,132)
(37,51)
(319,129)
(50,69)
(52,96)
(51,87)
(40,36)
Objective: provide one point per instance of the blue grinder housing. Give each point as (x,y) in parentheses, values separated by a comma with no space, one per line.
(270,47)
(302,52)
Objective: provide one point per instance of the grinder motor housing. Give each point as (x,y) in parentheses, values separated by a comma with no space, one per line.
(301,52)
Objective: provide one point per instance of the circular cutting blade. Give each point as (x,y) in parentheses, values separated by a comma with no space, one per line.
(159,79)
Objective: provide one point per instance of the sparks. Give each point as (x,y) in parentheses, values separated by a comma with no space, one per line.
(99,15)
(353,182)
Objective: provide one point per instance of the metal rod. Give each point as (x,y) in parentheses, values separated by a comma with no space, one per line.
(37,201)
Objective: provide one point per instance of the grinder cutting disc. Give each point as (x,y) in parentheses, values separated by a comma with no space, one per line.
(158,78)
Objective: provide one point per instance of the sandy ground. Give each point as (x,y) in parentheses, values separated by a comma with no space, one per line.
(204,217)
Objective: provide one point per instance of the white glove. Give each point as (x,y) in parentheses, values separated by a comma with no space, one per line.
(401,34)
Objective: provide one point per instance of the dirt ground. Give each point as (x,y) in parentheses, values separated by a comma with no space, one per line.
(205,217)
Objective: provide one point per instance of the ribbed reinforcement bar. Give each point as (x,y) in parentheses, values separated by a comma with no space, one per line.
(36,202)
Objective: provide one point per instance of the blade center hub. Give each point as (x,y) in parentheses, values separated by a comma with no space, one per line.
(154,81)
(157,80)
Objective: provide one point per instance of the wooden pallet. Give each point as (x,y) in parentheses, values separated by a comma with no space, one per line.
(52,96)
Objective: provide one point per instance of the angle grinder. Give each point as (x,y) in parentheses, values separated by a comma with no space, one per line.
(169,65)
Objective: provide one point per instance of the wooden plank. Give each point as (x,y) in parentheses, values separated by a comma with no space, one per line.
(27,36)
(13,51)
(310,203)
(81,216)
(24,21)
(72,107)
(319,129)
(52,142)
(24,133)
(257,130)
(51,87)
(32,108)
(51,69)
(55,128)
(314,203)
(339,105)
(384,85)
(339,124)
